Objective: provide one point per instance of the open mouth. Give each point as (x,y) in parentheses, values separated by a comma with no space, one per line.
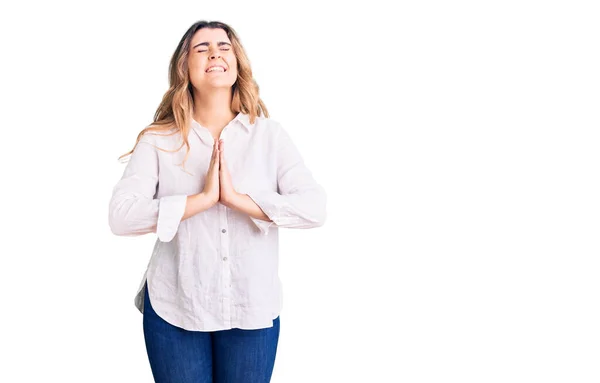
(216,69)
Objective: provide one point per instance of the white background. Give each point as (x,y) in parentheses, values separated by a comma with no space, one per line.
(457,142)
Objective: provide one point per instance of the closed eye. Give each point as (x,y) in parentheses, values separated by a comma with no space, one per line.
(223,49)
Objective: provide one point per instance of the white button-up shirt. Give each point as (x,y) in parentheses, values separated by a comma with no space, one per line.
(218,269)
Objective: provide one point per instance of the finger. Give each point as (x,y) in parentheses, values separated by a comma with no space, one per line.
(216,150)
(215,147)
(222,158)
(213,155)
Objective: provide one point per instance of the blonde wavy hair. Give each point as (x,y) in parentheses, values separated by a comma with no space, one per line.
(176,107)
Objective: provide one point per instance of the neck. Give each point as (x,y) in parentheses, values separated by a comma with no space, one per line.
(213,110)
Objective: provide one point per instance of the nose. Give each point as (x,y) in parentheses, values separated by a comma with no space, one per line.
(214,54)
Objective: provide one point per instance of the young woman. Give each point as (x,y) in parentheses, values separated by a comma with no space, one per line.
(214,177)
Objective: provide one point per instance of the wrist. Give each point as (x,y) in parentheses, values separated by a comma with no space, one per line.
(233,201)
(204,201)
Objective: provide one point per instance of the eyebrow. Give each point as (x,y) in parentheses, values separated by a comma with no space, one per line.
(206,43)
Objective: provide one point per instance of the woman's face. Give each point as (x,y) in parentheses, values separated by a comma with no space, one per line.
(211,48)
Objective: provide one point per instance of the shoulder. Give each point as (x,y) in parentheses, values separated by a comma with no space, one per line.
(267,126)
(161,138)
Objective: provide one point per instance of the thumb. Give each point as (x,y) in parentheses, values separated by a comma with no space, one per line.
(221,152)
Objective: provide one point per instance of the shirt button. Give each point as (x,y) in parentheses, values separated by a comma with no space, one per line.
(224,258)
(223,231)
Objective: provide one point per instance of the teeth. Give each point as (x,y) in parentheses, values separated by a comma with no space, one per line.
(216,68)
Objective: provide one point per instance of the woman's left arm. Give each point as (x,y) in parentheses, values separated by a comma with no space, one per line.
(300,201)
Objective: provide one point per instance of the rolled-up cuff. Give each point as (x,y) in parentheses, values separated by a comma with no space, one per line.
(262,225)
(266,201)
(170,212)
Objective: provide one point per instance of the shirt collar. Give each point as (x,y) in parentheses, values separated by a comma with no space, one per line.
(241,118)
(245,120)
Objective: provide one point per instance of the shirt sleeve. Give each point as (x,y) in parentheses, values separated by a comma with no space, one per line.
(133,210)
(300,201)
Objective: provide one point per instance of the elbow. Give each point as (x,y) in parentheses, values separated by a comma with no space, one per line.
(122,227)
(117,217)
(122,222)
(117,225)
(132,217)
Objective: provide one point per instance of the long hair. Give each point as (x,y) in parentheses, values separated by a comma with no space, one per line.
(176,107)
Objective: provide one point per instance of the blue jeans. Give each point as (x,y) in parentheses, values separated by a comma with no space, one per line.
(177,355)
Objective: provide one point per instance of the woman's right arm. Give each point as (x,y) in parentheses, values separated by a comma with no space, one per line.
(197,203)
(133,210)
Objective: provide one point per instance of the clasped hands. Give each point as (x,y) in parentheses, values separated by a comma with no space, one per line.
(218,186)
